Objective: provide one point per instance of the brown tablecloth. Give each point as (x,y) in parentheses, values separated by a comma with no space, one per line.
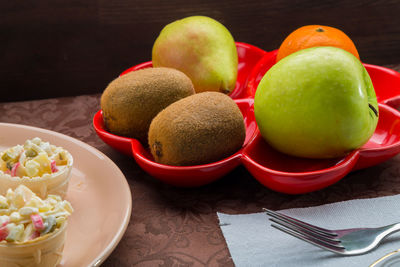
(179,227)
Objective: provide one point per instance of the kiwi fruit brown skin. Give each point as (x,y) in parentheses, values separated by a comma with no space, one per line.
(130,102)
(199,129)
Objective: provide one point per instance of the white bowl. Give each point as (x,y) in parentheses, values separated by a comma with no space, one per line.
(45,251)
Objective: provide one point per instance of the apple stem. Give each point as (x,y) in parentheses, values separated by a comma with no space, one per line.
(373,109)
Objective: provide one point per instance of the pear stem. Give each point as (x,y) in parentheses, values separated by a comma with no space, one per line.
(373,109)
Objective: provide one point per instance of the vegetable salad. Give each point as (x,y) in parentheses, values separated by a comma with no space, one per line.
(33,159)
(24,216)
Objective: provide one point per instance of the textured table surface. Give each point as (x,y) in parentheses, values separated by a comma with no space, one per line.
(179,227)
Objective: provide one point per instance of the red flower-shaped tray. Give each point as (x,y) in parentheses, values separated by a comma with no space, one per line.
(273,169)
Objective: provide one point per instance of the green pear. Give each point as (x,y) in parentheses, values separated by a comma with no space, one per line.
(203,49)
(316,103)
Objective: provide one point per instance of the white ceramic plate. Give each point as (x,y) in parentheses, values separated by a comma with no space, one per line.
(98,192)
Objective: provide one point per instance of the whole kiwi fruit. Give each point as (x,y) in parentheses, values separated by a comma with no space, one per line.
(130,102)
(199,129)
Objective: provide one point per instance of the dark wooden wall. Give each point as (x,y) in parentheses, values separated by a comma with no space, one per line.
(51,48)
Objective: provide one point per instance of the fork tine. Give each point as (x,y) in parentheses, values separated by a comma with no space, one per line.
(310,240)
(304,230)
(283,217)
(306,233)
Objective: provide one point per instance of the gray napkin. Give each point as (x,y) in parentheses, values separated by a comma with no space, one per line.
(253,242)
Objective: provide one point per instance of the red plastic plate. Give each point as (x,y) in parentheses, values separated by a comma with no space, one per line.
(275,170)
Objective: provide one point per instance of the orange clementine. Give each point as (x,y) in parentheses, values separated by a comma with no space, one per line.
(315,35)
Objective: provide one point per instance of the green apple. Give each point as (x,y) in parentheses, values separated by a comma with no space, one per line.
(316,103)
(203,49)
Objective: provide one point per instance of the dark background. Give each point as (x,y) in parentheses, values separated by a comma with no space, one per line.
(52,48)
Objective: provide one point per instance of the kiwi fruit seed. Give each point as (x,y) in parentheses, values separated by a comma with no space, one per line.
(130,102)
(199,129)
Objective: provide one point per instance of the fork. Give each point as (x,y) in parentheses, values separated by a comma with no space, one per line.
(348,242)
